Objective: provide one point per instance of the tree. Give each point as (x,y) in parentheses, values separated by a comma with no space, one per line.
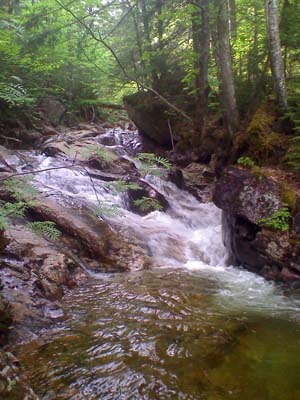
(275,52)
(201,42)
(224,64)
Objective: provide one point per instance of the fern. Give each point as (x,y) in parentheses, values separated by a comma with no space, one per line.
(106,209)
(13,93)
(47,228)
(10,210)
(100,152)
(152,164)
(21,188)
(146,204)
(122,186)
(154,159)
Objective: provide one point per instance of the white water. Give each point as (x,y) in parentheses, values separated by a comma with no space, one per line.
(187,236)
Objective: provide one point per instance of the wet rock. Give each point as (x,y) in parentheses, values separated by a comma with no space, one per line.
(146,191)
(199,180)
(5,319)
(248,195)
(91,154)
(176,176)
(114,164)
(245,199)
(109,248)
(34,273)
(13,382)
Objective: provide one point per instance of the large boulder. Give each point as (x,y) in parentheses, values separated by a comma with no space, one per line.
(51,109)
(150,116)
(247,199)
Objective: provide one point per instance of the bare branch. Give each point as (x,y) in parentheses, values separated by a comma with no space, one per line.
(113,53)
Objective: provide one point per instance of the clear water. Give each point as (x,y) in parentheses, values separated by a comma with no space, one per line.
(191,328)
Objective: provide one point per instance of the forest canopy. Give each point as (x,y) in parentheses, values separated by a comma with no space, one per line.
(201,55)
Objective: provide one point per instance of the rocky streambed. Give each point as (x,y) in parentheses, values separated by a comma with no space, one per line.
(136,335)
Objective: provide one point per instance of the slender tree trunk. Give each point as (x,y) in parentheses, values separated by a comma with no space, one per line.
(138,37)
(232,16)
(201,41)
(224,63)
(145,17)
(275,52)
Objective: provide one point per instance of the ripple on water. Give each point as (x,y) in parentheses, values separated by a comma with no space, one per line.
(163,334)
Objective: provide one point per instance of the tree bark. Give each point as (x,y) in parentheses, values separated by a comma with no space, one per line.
(275,52)
(224,64)
(201,40)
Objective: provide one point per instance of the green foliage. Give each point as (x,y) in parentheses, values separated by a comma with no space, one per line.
(152,164)
(14,94)
(289,197)
(122,186)
(246,162)
(278,221)
(106,209)
(97,151)
(10,210)
(147,204)
(292,157)
(24,193)
(21,188)
(46,228)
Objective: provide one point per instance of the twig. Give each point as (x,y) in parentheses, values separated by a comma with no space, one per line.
(113,53)
(38,171)
(171,134)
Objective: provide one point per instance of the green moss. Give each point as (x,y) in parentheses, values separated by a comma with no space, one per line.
(259,141)
(262,121)
(289,197)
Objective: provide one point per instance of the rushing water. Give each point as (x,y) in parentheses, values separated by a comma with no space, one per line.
(192,328)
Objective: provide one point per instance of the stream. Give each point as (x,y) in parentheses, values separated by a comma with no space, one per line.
(191,327)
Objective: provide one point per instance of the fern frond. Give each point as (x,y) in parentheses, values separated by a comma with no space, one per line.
(120,186)
(146,203)
(47,228)
(21,188)
(100,152)
(108,210)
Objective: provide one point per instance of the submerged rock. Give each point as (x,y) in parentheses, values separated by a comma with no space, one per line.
(248,199)
(13,382)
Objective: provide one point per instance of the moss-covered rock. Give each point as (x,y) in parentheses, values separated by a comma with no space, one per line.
(260,140)
(267,249)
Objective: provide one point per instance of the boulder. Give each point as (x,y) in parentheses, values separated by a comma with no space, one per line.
(245,199)
(253,197)
(199,180)
(51,109)
(150,116)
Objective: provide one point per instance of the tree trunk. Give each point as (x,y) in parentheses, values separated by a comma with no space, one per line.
(201,40)
(148,47)
(275,52)
(224,63)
